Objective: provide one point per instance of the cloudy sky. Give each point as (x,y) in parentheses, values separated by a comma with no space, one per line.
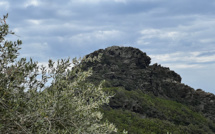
(175,33)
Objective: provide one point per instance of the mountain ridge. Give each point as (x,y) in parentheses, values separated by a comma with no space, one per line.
(129,68)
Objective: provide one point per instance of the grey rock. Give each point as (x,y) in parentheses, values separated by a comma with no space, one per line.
(130,68)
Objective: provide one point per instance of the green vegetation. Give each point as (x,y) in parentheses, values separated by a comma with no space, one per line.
(140,113)
(28,106)
(72,105)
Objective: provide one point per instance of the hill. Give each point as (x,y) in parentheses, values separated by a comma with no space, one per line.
(149,98)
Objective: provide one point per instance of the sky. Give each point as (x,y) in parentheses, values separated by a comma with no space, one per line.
(178,34)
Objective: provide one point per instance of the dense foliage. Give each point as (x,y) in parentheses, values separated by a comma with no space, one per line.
(141,113)
(28,106)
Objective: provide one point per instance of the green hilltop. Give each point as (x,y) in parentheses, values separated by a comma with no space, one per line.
(148,98)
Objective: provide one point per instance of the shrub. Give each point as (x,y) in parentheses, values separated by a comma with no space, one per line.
(28,106)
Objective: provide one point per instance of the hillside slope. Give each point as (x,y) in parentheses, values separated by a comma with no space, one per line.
(150,96)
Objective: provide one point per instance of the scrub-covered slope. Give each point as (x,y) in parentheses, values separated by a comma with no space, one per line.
(149,96)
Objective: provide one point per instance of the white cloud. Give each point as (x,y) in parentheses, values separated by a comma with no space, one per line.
(206,40)
(120,1)
(198,35)
(169,34)
(34,22)
(101,35)
(183,60)
(4,4)
(99,1)
(183,66)
(40,46)
(32,3)
(36,50)
(175,36)
(106,34)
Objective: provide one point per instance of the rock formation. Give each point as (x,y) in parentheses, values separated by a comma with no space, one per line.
(130,68)
(150,91)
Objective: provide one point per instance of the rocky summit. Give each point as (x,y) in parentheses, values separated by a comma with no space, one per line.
(128,72)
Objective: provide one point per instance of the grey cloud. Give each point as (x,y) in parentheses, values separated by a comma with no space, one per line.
(209,53)
(189,7)
(75,28)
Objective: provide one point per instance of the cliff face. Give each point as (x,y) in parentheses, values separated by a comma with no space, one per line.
(130,68)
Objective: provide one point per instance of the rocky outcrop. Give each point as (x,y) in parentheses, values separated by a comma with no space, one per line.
(130,68)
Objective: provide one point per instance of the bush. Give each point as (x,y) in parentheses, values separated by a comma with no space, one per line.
(27,106)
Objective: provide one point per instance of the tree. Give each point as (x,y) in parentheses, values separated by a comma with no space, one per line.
(28,106)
